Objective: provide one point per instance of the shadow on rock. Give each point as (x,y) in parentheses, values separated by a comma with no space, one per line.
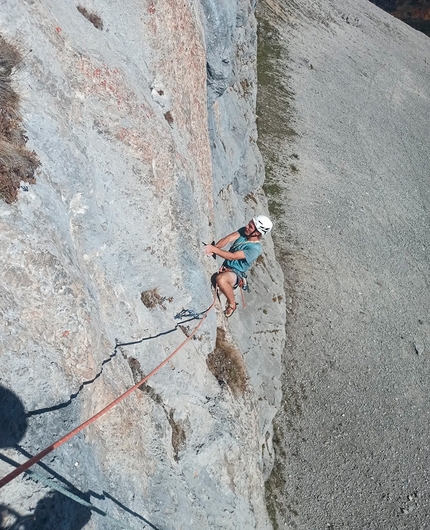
(53,512)
(13,422)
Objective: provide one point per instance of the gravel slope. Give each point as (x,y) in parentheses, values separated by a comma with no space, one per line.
(343,122)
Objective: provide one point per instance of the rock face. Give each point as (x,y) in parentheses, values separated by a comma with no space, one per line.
(415,13)
(343,128)
(142,115)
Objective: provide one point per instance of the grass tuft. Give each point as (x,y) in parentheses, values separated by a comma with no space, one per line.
(226,364)
(169,118)
(152,298)
(179,437)
(95,20)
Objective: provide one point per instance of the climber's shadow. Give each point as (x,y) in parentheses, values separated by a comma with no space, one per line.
(52,512)
(13,420)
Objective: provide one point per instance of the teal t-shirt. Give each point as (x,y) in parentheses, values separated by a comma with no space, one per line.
(251,250)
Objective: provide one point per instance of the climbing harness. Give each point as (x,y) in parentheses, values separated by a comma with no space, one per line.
(242,282)
(15,473)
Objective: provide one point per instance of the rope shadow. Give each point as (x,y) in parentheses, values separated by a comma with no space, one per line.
(76,394)
(25,467)
(54,511)
(77,508)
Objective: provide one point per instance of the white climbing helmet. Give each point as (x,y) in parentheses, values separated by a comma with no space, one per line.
(263,224)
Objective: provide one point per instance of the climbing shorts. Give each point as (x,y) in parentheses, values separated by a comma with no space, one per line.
(238,278)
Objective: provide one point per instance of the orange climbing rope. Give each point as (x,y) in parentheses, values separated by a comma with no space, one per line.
(5,480)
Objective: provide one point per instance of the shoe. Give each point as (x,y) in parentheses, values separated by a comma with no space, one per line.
(229,310)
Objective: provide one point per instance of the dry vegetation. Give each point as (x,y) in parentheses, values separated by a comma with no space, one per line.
(178,436)
(136,370)
(152,298)
(226,364)
(169,118)
(178,432)
(95,20)
(17,163)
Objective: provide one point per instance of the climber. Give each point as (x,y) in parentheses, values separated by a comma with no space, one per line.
(245,249)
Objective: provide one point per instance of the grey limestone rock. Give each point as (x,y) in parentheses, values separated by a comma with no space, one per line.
(106,248)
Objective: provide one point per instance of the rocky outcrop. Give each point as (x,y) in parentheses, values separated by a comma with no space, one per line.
(143,118)
(415,13)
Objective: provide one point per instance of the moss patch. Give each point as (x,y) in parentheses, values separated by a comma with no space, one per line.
(275,105)
(275,484)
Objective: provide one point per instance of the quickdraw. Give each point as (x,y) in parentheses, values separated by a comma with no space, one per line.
(185,313)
